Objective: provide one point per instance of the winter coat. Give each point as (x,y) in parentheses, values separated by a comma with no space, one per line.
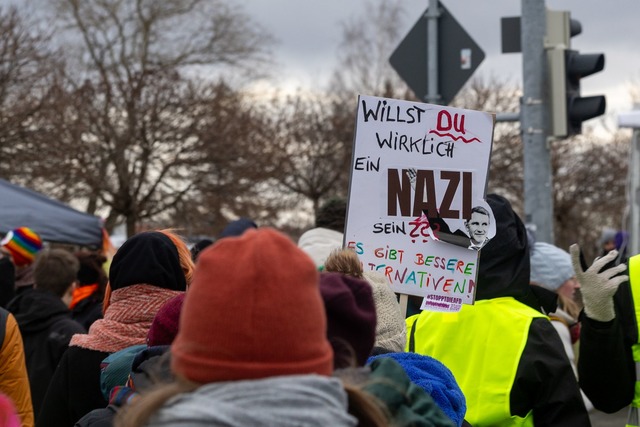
(88,310)
(7,281)
(605,366)
(14,381)
(562,322)
(149,368)
(74,389)
(46,327)
(544,383)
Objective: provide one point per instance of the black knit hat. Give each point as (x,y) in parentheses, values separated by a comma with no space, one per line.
(237,228)
(147,258)
(332,215)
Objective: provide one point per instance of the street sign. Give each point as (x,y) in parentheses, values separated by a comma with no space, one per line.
(458,57)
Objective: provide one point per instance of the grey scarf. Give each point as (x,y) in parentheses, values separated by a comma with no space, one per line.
(286,401)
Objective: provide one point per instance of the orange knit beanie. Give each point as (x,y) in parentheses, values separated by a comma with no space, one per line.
(253,310)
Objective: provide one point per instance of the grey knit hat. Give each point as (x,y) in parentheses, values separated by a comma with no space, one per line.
(391,329)
(550,266)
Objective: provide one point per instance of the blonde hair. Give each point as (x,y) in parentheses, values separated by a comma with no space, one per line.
(569,305)
(344,261)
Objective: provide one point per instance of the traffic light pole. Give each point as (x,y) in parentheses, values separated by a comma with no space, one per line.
(534,121)
(433,13)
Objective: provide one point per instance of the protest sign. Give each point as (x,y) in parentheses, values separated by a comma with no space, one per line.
(416,209)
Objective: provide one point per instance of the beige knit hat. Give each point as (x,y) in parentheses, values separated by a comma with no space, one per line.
(391,330)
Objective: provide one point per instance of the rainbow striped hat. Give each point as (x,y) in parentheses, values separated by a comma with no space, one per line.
(23,244)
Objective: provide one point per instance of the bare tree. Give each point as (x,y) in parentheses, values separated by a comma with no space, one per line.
(131,114)
(26,68)
(313,154)
(589,187)
(238,161)
(363,55)
(506,169)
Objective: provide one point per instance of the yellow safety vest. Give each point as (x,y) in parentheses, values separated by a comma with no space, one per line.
(481,345)
(634,280)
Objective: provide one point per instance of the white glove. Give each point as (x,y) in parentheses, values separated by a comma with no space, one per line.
(598,287)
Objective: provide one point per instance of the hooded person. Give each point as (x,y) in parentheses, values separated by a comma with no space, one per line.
(505,355)
(149,269)
(252,347)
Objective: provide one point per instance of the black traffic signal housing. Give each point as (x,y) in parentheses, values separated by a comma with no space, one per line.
(581,108)
(566,68)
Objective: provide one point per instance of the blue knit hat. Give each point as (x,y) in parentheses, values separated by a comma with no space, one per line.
(434,378)
(550,266)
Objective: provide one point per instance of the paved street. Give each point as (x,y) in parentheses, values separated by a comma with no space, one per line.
(600,419)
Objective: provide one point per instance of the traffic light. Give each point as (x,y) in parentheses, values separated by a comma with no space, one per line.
(566,68)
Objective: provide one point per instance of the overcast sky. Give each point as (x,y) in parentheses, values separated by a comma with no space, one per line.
(309,32)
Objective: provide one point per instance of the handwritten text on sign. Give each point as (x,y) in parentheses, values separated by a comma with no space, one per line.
(413,161)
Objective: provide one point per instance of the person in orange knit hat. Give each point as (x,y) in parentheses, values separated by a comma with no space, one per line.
(251,347)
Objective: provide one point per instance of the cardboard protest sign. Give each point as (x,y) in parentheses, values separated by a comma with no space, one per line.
(416,209)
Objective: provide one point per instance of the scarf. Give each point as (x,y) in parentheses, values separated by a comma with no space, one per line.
(127,320)
(286,401)
(81,293)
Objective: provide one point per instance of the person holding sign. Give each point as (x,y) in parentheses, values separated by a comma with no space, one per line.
(506,356)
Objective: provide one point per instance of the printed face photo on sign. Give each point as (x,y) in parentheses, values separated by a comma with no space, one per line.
(478,227)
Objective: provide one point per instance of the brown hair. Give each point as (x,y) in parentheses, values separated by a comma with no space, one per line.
(344,261)
(55,270)
(368,409)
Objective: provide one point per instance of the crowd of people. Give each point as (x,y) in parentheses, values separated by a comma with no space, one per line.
(253,328)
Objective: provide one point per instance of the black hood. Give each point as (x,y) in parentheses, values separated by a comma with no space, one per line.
(504,263)
(147,258)
(37,309)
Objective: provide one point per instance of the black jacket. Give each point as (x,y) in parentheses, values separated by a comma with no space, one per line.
(7,281)
(544,382)
(88,310)
(149,368)
(74,390)
(46,327)
(605,365)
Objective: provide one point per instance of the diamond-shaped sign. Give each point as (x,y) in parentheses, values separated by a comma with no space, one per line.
(458,57)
